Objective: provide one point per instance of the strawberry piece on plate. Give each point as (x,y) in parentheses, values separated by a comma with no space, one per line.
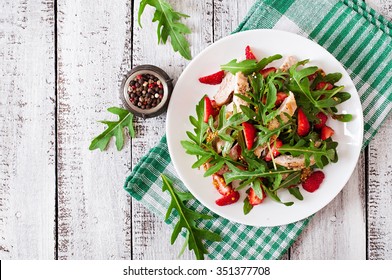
(326,132)
(265,72)
(208,109)
(253,198)
(249,134)
(280,97)
(314,181)
(322,85)
(274,149)
(231,198)
(221,185)
(322,120)
(249,54)
(213,79)
(303,125)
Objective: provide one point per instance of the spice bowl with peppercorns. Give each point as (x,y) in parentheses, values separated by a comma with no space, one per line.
(146,91)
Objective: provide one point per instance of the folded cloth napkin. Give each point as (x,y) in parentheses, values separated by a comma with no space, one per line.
(360,39)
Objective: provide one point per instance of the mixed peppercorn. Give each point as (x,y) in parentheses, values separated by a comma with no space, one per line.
(145,91)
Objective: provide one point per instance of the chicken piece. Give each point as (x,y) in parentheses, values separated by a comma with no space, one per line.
(291,162)
(287,63)
(225,91)
(262,149)
(288,106)
(241,87)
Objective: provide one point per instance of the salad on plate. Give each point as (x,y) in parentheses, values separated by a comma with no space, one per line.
(266,129)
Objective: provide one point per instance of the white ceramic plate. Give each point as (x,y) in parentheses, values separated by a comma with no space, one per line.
(188,91)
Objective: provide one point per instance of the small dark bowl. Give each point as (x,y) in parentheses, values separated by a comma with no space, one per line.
(167,90)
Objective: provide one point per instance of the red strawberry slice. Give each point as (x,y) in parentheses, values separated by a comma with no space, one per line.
(274,149)
(208,110)
(220,184)
(265,72)
(322,85)
(303,125)
(231,198)
(254,199)
(314,181)
(280,97)
(213,79)
(322,120)
(326,132)
(312,76)
(249,134)
(249,54)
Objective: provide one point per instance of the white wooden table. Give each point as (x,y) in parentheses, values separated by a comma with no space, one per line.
(61,65)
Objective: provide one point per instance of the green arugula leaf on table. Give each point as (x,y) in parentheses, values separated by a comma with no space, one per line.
(115,128)
(187,220)
(168,25)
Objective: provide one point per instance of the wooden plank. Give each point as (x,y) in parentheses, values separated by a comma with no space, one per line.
(93,54)
(27,155)
(380,177)
(338,231)
(379,195)
(151,237)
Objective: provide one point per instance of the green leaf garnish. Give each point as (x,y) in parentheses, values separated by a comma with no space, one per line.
(168,25)
(115,128)
(248,66)
(187,220)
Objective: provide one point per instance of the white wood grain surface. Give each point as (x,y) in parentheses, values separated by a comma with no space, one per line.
(92,45)
(27,137)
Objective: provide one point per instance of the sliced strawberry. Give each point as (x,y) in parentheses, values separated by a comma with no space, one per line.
(322,120)
(314,181)
(312,76)
(220,184)
(249,134)
(322,85)
(228,199)
(303,125)
(254,199)
(208,110)
(326,132)
(249,54)
(280,97)
(213,79)
(274,149)
(265,72)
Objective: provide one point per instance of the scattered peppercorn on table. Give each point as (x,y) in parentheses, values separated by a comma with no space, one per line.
(62,67)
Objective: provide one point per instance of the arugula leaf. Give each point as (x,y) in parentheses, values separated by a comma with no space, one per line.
(315,101)
(187,220)
(296,193)
(273,195)
(115,128)
(247,206)
(291,180)
(248,66)
(168,25)
(200,126)
(322,155)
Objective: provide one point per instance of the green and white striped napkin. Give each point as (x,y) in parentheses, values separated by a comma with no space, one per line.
(360,39)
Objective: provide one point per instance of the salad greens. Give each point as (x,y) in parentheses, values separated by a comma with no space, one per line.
(187,220)
(258,124)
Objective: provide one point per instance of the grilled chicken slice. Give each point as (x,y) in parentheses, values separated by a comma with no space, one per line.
(288,106)
(291,162)
(226,88)
(241,87)
(287,63)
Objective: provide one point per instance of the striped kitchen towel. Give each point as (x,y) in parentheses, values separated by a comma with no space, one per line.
(360,39)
